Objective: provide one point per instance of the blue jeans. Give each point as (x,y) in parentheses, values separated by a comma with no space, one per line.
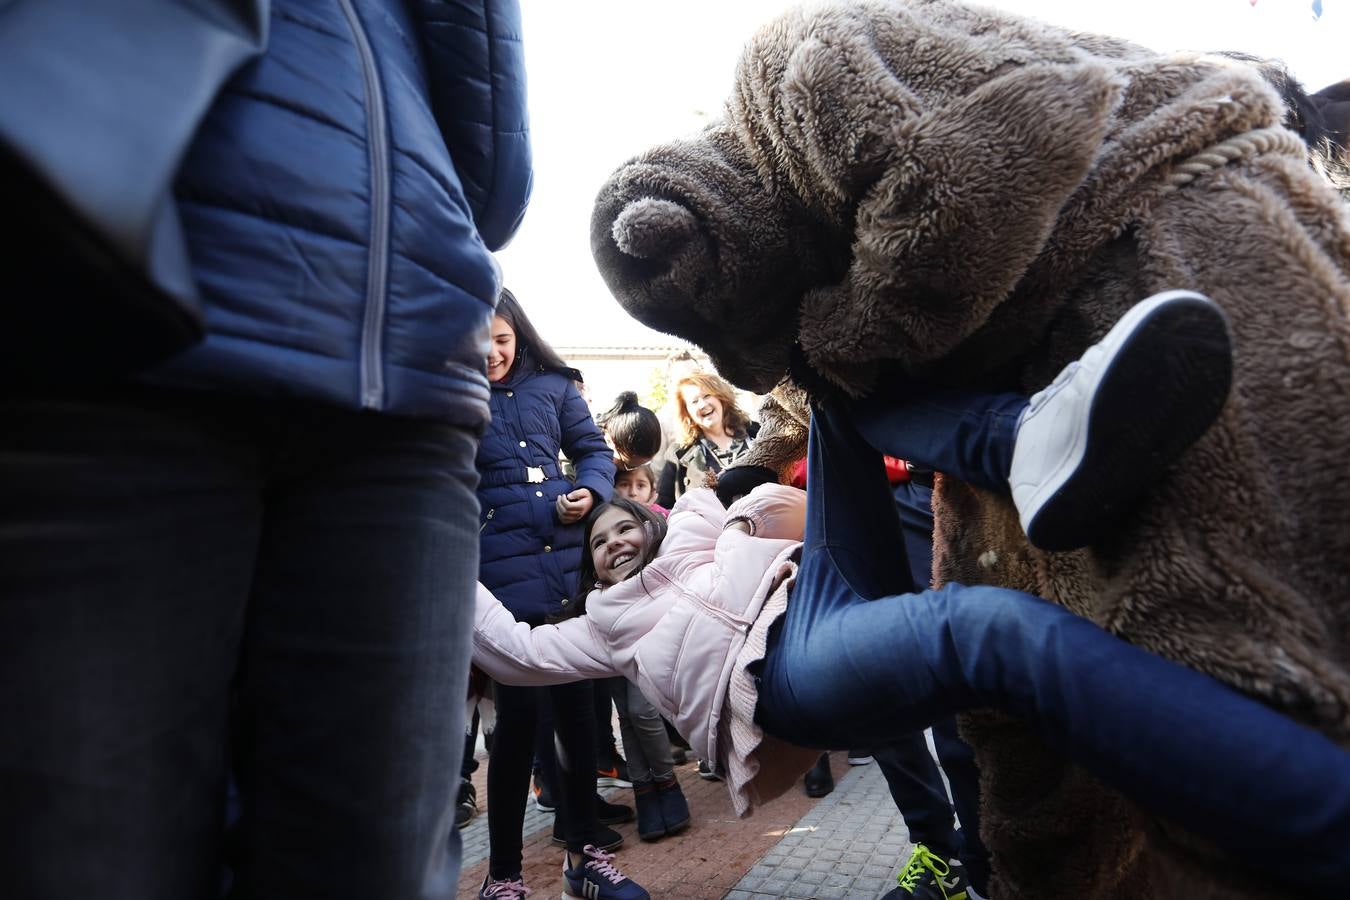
(852,663)
(906,763)
(180,569)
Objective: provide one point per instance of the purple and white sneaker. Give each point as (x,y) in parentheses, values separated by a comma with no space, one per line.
(597,879)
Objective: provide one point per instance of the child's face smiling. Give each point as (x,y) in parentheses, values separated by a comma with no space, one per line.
(617,542)
(634,486)
(502,350)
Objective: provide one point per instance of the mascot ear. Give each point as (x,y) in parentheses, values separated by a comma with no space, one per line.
(966,200)
(649,228)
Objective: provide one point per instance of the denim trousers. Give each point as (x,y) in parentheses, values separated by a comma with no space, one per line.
(854,661)
(183,571)
(906,762)
(562,711)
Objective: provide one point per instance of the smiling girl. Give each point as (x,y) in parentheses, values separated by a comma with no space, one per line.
(530,552)
(759,644)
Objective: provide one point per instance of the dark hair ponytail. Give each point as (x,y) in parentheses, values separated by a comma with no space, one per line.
(634,430)
(528,341)
(587,580)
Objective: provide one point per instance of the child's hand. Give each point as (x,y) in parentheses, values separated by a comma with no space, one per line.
(572,507)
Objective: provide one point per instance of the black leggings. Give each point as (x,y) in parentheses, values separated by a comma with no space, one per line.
(510,763)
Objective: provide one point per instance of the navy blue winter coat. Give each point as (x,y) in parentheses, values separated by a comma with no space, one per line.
(528,559)
(340,201)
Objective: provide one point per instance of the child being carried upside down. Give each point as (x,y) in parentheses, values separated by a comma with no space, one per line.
(786,622)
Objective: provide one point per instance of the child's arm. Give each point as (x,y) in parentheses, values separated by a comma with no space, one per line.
(773,511)
(694,524)
(514,653)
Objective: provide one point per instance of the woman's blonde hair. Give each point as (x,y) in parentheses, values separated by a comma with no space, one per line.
(734,420)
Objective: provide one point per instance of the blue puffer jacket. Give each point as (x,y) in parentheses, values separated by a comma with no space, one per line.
(340,201)
(528,559)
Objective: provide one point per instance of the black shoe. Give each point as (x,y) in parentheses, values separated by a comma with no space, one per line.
(819,781)
(466,806)
(543,795)
(612,770)
(706,772)
(674,807)
(650,825)
(605,838)
(612,813)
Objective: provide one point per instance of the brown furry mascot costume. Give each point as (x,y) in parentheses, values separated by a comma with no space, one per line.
(964,196)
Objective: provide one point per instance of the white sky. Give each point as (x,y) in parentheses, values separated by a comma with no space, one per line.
(610,78)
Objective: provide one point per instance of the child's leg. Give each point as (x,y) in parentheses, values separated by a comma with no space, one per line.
(1179,743)
(967,434)
(649,732)
(1081,451)
(841,671)
(852,550)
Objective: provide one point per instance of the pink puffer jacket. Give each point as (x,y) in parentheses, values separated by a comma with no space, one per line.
(677,629)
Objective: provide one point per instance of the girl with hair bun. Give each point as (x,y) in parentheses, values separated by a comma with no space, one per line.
(632,431)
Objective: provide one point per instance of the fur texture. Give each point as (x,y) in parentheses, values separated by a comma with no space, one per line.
(972,197)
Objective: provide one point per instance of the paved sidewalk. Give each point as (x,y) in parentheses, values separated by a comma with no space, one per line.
(849,844)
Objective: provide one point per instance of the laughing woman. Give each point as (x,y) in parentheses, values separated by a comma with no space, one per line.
(714,433)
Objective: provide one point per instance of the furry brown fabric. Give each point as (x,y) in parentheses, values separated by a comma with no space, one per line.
(784,423)
(975,197)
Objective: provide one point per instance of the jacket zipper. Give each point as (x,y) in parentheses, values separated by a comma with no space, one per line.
(486,519)
(377,139)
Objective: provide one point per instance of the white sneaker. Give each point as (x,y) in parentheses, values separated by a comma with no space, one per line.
(1112,420)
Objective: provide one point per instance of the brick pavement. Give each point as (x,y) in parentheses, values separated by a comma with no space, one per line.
(846,845)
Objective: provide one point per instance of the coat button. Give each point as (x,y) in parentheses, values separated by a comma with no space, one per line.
(522,443)
(548,549)
(539,493)
(510,393)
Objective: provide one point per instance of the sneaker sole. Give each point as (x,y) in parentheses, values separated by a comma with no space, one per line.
(543,807)
(609,781)
(1179,342)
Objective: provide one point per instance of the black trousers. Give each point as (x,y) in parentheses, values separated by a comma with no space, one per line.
(511,760)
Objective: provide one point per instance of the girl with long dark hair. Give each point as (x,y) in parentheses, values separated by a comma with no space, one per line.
(530,555)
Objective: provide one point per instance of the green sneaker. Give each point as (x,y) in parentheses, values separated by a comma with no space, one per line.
(930,877)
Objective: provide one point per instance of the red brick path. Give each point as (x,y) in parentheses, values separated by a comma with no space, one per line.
(702,863)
